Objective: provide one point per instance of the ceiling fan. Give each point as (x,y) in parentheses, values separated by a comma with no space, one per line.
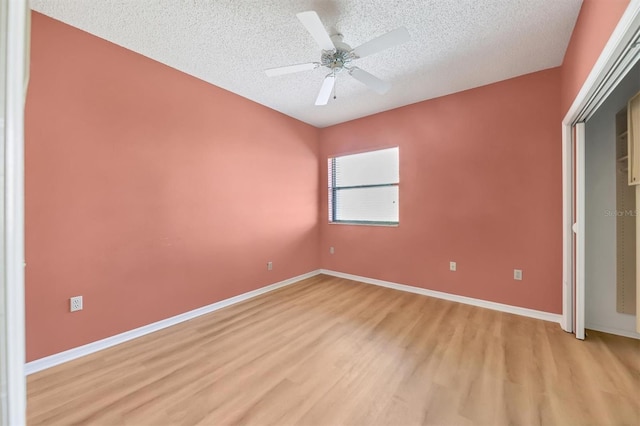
(338,56)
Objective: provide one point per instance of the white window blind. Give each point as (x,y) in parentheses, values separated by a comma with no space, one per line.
(363,188)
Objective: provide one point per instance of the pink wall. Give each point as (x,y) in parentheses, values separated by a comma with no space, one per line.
(596,22)
(480,184)
(150,192)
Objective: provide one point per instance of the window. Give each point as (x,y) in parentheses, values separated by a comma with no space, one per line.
(363,188)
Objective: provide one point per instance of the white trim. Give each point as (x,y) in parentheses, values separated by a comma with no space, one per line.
(567,234)
(611,330)
(526,312)
(599,82)
(71,354)
(13,262)
(580,230)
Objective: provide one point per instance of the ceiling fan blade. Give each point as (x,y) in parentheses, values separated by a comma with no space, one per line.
(325,90)
(271,72)
(313,24)
(385,41)
(370,80)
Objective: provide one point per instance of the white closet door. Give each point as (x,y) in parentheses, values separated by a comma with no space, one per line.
(580,229)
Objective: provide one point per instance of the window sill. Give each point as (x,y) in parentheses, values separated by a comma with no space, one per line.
(382,224)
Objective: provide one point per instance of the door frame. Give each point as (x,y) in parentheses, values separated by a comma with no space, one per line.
(621,52)
(14,27)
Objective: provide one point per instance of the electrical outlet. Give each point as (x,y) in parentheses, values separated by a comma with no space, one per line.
(453,266)
(332,250)
(75,303)
(517,274)
(269,266)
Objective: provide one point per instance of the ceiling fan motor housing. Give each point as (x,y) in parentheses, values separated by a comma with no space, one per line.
(336,60)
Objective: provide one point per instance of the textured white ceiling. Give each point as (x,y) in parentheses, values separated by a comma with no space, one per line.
(455,44)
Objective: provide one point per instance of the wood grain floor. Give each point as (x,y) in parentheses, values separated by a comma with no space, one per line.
(328,351)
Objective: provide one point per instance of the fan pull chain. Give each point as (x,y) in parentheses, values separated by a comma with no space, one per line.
(334,88)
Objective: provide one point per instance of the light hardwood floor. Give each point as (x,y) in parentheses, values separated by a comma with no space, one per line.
(328,351)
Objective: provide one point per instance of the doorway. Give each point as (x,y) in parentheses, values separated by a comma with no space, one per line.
(617,60)
(610,216)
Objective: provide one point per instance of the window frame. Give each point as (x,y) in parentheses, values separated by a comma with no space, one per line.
(333,192)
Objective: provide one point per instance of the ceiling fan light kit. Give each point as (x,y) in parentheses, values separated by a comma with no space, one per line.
(337,56)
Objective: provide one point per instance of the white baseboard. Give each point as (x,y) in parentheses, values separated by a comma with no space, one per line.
(532,313)
(612,330)
(71,354)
